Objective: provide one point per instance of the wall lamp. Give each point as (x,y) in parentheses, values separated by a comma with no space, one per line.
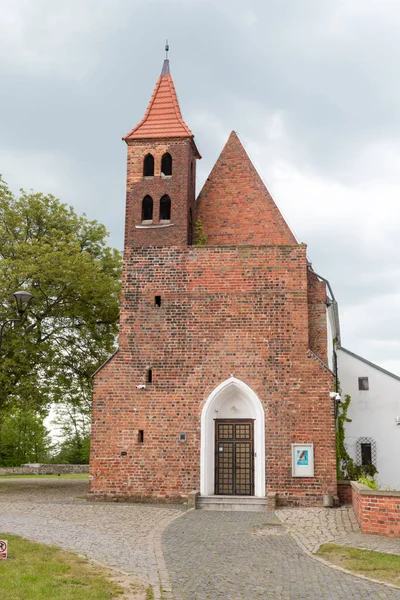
(336,397)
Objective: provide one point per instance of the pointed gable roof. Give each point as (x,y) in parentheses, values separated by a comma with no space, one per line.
(163,117)
(234,205)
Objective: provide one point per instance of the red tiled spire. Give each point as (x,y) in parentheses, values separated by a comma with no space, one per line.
(163,117)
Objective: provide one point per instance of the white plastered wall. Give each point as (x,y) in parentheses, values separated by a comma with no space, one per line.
(373,413)
(232,399)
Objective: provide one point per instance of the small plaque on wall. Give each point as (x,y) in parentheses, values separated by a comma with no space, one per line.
(303,460)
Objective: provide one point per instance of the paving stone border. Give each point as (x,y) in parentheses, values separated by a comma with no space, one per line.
(337,526)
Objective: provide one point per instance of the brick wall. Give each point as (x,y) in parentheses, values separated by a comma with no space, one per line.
(376,511)
(317,339)
(180,187)
(344,492)
(224,311)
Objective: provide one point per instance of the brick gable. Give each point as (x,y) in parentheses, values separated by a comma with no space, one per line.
(234,205)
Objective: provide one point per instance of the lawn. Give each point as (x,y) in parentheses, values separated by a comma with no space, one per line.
(67,476)
(38,572)
(377,565)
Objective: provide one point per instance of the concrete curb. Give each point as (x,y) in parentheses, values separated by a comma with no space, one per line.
(327,563)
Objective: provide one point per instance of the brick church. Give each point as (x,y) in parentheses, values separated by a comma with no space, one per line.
(221,382)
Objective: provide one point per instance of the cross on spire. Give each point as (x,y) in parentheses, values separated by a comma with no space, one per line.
(166,49)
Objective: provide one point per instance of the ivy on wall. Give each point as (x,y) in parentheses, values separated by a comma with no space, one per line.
(346,467)
(200,237)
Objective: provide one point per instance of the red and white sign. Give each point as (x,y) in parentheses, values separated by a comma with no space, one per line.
(3,549)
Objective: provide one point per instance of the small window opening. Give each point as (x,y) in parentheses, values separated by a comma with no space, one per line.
(166,165)
(363,383)
(165,208)
(147,208)
(366,451)
(366,454)
(140,437)
(148,166)
(149,376)
(182,437)
(157,300)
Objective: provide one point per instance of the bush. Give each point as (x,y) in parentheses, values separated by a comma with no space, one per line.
(369,482)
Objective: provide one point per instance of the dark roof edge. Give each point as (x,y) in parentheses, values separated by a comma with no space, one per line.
(368,362)
(105,362)
(320,360)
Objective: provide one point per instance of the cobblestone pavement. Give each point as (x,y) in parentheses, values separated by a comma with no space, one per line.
(316,526)
(125,536)
(249,556)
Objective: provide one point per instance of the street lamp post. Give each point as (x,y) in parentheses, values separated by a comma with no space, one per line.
(23,300)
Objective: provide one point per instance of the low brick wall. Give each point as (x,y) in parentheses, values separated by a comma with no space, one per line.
(344,492)
(376,511)
(41,469)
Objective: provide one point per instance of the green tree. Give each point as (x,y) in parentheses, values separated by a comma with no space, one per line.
(63,260)
(23,437)
(73,420)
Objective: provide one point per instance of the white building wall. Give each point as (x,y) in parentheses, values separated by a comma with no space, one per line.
(373,414)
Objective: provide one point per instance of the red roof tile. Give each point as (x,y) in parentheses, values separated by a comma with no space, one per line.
(163,116)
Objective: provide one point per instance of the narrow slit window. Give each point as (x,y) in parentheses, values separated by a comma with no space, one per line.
(157,300)
(148,166)
(165,208)
(140,437)
(147,208)
(149,376)
(166,165)
(363,383)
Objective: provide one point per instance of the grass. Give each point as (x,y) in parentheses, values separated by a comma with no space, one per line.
(40,572)
(67,476)
(377,565)
(149,593)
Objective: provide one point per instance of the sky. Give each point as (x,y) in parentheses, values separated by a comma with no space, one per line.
(312,88)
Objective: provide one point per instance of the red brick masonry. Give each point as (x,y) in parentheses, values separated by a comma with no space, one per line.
(344,492)
(376,511)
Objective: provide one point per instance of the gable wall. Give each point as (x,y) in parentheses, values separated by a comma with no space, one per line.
(239,311)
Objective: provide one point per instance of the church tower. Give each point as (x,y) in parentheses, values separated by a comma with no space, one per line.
(220,373)
(161,173)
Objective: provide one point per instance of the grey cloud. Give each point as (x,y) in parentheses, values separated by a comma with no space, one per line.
(77,76)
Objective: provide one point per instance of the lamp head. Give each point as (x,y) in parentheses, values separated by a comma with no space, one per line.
(23,299)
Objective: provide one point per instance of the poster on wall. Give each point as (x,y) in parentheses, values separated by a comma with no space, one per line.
(302,460)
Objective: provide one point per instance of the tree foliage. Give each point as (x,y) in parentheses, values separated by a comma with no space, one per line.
(63,260)
(23,437)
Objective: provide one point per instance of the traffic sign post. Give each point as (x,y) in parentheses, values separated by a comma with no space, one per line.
(3,548)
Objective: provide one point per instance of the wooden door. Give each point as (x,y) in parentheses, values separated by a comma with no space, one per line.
(234,457)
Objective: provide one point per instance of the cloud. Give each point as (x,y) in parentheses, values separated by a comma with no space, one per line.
(310,87)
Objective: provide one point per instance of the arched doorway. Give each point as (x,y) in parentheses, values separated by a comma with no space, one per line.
(232,402)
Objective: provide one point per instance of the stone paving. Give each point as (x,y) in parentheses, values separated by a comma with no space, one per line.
(209,555)
(249,556)
(125,536)
(315,526)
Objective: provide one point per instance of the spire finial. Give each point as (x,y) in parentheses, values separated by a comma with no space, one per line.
(166,49)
